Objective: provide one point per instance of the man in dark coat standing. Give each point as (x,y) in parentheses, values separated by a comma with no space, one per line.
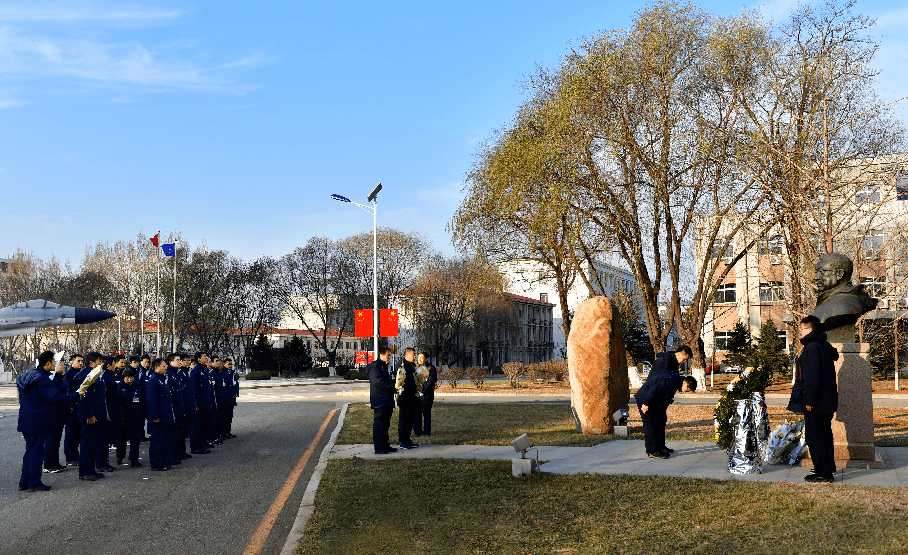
(653,400)
(38,395)
(92,414)
(381,399)
(73,426)
(816,395)
(203,393)
(160,416)
(406,400)
(422,419)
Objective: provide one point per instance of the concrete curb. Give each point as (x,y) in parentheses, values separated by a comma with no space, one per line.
(307,505)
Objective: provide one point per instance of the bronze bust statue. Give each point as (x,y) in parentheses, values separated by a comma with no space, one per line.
(839,303)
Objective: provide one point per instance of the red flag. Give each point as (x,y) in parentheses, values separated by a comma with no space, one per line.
(364,357)
(387,322)
(154,240)
(363,323)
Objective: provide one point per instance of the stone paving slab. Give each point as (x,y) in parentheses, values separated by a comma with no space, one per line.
(691,459)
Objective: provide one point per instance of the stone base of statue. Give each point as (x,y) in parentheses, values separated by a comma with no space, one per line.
(597,366)
(852,426)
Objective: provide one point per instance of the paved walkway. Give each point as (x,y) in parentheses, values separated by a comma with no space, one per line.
(691,459)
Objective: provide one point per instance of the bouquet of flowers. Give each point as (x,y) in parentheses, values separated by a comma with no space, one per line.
(91,378)
(786,443)
(420,376)
(750,381)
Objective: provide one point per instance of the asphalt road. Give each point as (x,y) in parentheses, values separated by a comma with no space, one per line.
(209,504)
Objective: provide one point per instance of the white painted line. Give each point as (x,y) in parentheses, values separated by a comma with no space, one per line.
(307,505)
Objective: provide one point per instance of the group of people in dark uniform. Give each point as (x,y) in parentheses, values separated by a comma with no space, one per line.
(414,399)
(100,404)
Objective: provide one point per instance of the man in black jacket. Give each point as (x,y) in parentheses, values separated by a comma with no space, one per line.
(381,398)
(422,418)
(667,361)
(815,394)
(653,400)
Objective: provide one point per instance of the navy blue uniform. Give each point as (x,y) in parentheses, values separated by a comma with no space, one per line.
(406,402)
(57,418)
(73,426)
(160,420)
(381,399)
(189,404)
(37,396)
(203,392)
(657,394)
(133,431)
(92,405)
(233,391)
(115,419)
(219,378)
(180,411)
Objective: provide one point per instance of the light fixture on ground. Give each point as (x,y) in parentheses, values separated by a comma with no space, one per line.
(374,211)
(523,465)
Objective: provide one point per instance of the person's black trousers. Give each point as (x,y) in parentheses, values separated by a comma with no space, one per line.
(198,434)
(180,431)
(159,446)
(422,418)
(31,460)
(818,431)
(405,421)
(381,423)
(52,447)
(105,438)
(654,422)
(132,433)
(88,447)
(71,439)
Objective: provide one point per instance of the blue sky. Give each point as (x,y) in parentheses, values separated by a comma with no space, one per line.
(233,121)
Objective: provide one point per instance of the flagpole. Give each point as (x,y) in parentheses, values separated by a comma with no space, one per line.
(142,302)
(173,328)
(157,302)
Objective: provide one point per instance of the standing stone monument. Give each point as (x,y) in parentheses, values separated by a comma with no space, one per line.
(597,366)
(839,305)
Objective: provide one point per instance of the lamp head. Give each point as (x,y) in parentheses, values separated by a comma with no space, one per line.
(522,443)
(340,198)
(374,193)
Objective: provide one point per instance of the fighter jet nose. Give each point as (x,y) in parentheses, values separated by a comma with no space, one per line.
(91,315)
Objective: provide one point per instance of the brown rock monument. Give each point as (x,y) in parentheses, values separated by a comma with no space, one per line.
(597,366)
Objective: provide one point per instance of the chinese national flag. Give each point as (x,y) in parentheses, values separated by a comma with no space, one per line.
(387,323)
(363,323)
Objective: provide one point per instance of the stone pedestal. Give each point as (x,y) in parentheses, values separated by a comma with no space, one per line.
(597,366)
(852,426)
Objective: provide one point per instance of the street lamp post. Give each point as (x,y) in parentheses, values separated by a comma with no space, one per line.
(374,211)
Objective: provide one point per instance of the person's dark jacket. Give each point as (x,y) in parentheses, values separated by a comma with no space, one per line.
(112,394)
(130,399)
(219,379)
(72,386)
(157,396)
(428,388)
(408,391)
(59,413)
(381,386)
(666,361)
(94,402)
(188,396)
(815,380)
(202,388)
(176,386)
(659,392)
(38,395)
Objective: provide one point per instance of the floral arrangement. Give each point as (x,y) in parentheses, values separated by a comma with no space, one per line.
(786,443)
(750,381)
(420,376)
(91,378)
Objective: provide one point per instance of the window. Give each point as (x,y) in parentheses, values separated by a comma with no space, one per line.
(783,338)
(720,342)
(873,243)
(771,292)
(347,345)
(901,187)
(867,194)
(875,287)
(716,250)
(544,297)
(725,293)
(774,245)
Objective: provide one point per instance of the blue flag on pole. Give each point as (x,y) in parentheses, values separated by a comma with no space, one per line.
(144,256)
(170,249)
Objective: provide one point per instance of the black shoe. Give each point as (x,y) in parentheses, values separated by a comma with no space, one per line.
(160,468)
(184,456)
(814,478)
(107,469)
(231,436)
(98,475)
(135,464)
(23,488)
(668,449)
(173,462)
(39,487)
(391,449)
(382,452)
(89,478)
(54,469)
(658,455)
(200,451)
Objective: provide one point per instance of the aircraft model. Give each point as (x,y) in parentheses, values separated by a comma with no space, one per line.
(23,318)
